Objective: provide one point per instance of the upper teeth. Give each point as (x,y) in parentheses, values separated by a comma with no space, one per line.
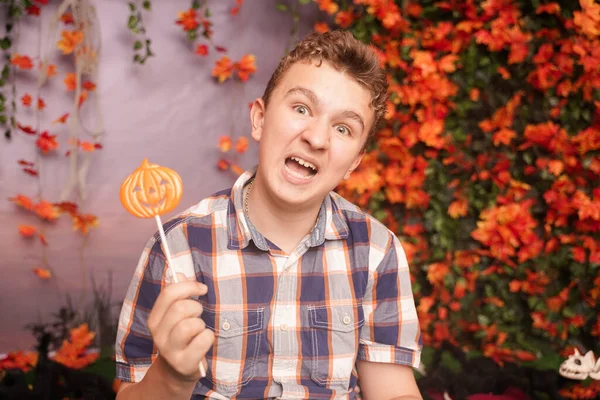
(304,163)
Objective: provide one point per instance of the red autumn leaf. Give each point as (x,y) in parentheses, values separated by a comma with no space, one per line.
(223,165)
(30,171)
(41,104)
(89,85)
(70,81)
(27,230)
(83,222)
(21,61)
(246,67)
(188,20)
(69,41)
(225,143)
(47,142)
(42,273)
(62,119)
(82,97)
(87,146)
(67,207)
(42,238)
(26,99)
(46,210)
(241,145)
(33,10)
(97,146)
(236,9)
(220,49)
(22,201)
(26,129)
(26,163)
(321,27)
(67,18)
(223,69)
(202,50)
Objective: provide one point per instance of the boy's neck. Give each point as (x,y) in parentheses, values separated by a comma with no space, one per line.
(282,225)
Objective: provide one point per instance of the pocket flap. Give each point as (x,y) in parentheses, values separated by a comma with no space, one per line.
(336,318)
(232,323)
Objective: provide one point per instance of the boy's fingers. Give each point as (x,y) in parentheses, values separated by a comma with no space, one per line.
(170,294)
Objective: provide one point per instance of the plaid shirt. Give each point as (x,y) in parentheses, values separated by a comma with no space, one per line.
(286,325)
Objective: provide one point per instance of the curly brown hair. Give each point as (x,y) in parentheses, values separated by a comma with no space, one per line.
(346,54)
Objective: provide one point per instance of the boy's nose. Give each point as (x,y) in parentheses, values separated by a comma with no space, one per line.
(317,136)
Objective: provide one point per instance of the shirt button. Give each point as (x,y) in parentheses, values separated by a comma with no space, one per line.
(226,325)
(283,327)
(346,320)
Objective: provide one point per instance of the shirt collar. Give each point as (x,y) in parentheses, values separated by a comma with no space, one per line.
(331,222)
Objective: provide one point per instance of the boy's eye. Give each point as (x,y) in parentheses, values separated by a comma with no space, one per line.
(343,130)
(302,110)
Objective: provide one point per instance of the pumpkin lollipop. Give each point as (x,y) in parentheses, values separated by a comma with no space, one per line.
(152,190)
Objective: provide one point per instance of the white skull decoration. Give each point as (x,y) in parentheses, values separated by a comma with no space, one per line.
(580,367)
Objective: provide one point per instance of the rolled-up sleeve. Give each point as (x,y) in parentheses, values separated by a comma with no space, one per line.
(134,347)
(391,333)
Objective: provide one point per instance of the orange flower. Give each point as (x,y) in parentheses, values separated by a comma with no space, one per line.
(27,230)
(46,142)
(245,67)
(69,41)
(188,20)
(42,273)
(241,145)
(436,273)
(23,62)
(73,352)
(345,18)
(223,69)
(225,144)
(321,27)
(26,99)
(70,81)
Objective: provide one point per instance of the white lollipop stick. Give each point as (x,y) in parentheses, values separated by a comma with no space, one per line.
(163,238)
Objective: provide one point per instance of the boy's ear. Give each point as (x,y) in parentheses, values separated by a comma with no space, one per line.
(257,117)
(354,165)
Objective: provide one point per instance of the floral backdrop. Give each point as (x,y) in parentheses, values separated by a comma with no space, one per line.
(487,166)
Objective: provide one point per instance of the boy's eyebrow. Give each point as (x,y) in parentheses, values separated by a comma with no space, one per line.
(315,100)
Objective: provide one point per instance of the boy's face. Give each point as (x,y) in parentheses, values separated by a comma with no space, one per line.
(312,133)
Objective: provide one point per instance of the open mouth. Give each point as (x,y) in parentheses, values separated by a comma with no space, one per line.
(300,168)
(154,205)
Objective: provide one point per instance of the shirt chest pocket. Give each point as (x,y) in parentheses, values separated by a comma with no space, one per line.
(232,361)
(333,343)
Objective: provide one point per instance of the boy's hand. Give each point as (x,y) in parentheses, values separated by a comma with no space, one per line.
(179,333)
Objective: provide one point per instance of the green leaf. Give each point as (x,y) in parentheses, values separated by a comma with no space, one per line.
(137,58)
(3,119)
(132,7)
(281,7)
(5,43)
(207,13)
(146,5)
(137,45)
(304,2)
(132,22)
(196,4)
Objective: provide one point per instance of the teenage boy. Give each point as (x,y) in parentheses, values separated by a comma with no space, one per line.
(299,292)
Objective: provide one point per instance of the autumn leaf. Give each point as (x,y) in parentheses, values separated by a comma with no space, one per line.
(83,223)
(26,129)
(43,239)
(41,104)
(188,20)
(236,9)
(458,208)
(87,146)
(236,169)
(220,49)
(328,6)
(62,119)
(241,145)
(50,70)
(223,165)
(88,85)
(345,18)
(42,273)
(45,210)
(70,81)
(82,97)
(69,41)
(225,143)
(47,142)
(245,67)
(67,18)
(21,61)
(223,69)
(24,361)
(503,136)
(26,99)
(27,230)
(549,8)
(33,10)
(202,50)
(25,163)
(31,171)
(22,201)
